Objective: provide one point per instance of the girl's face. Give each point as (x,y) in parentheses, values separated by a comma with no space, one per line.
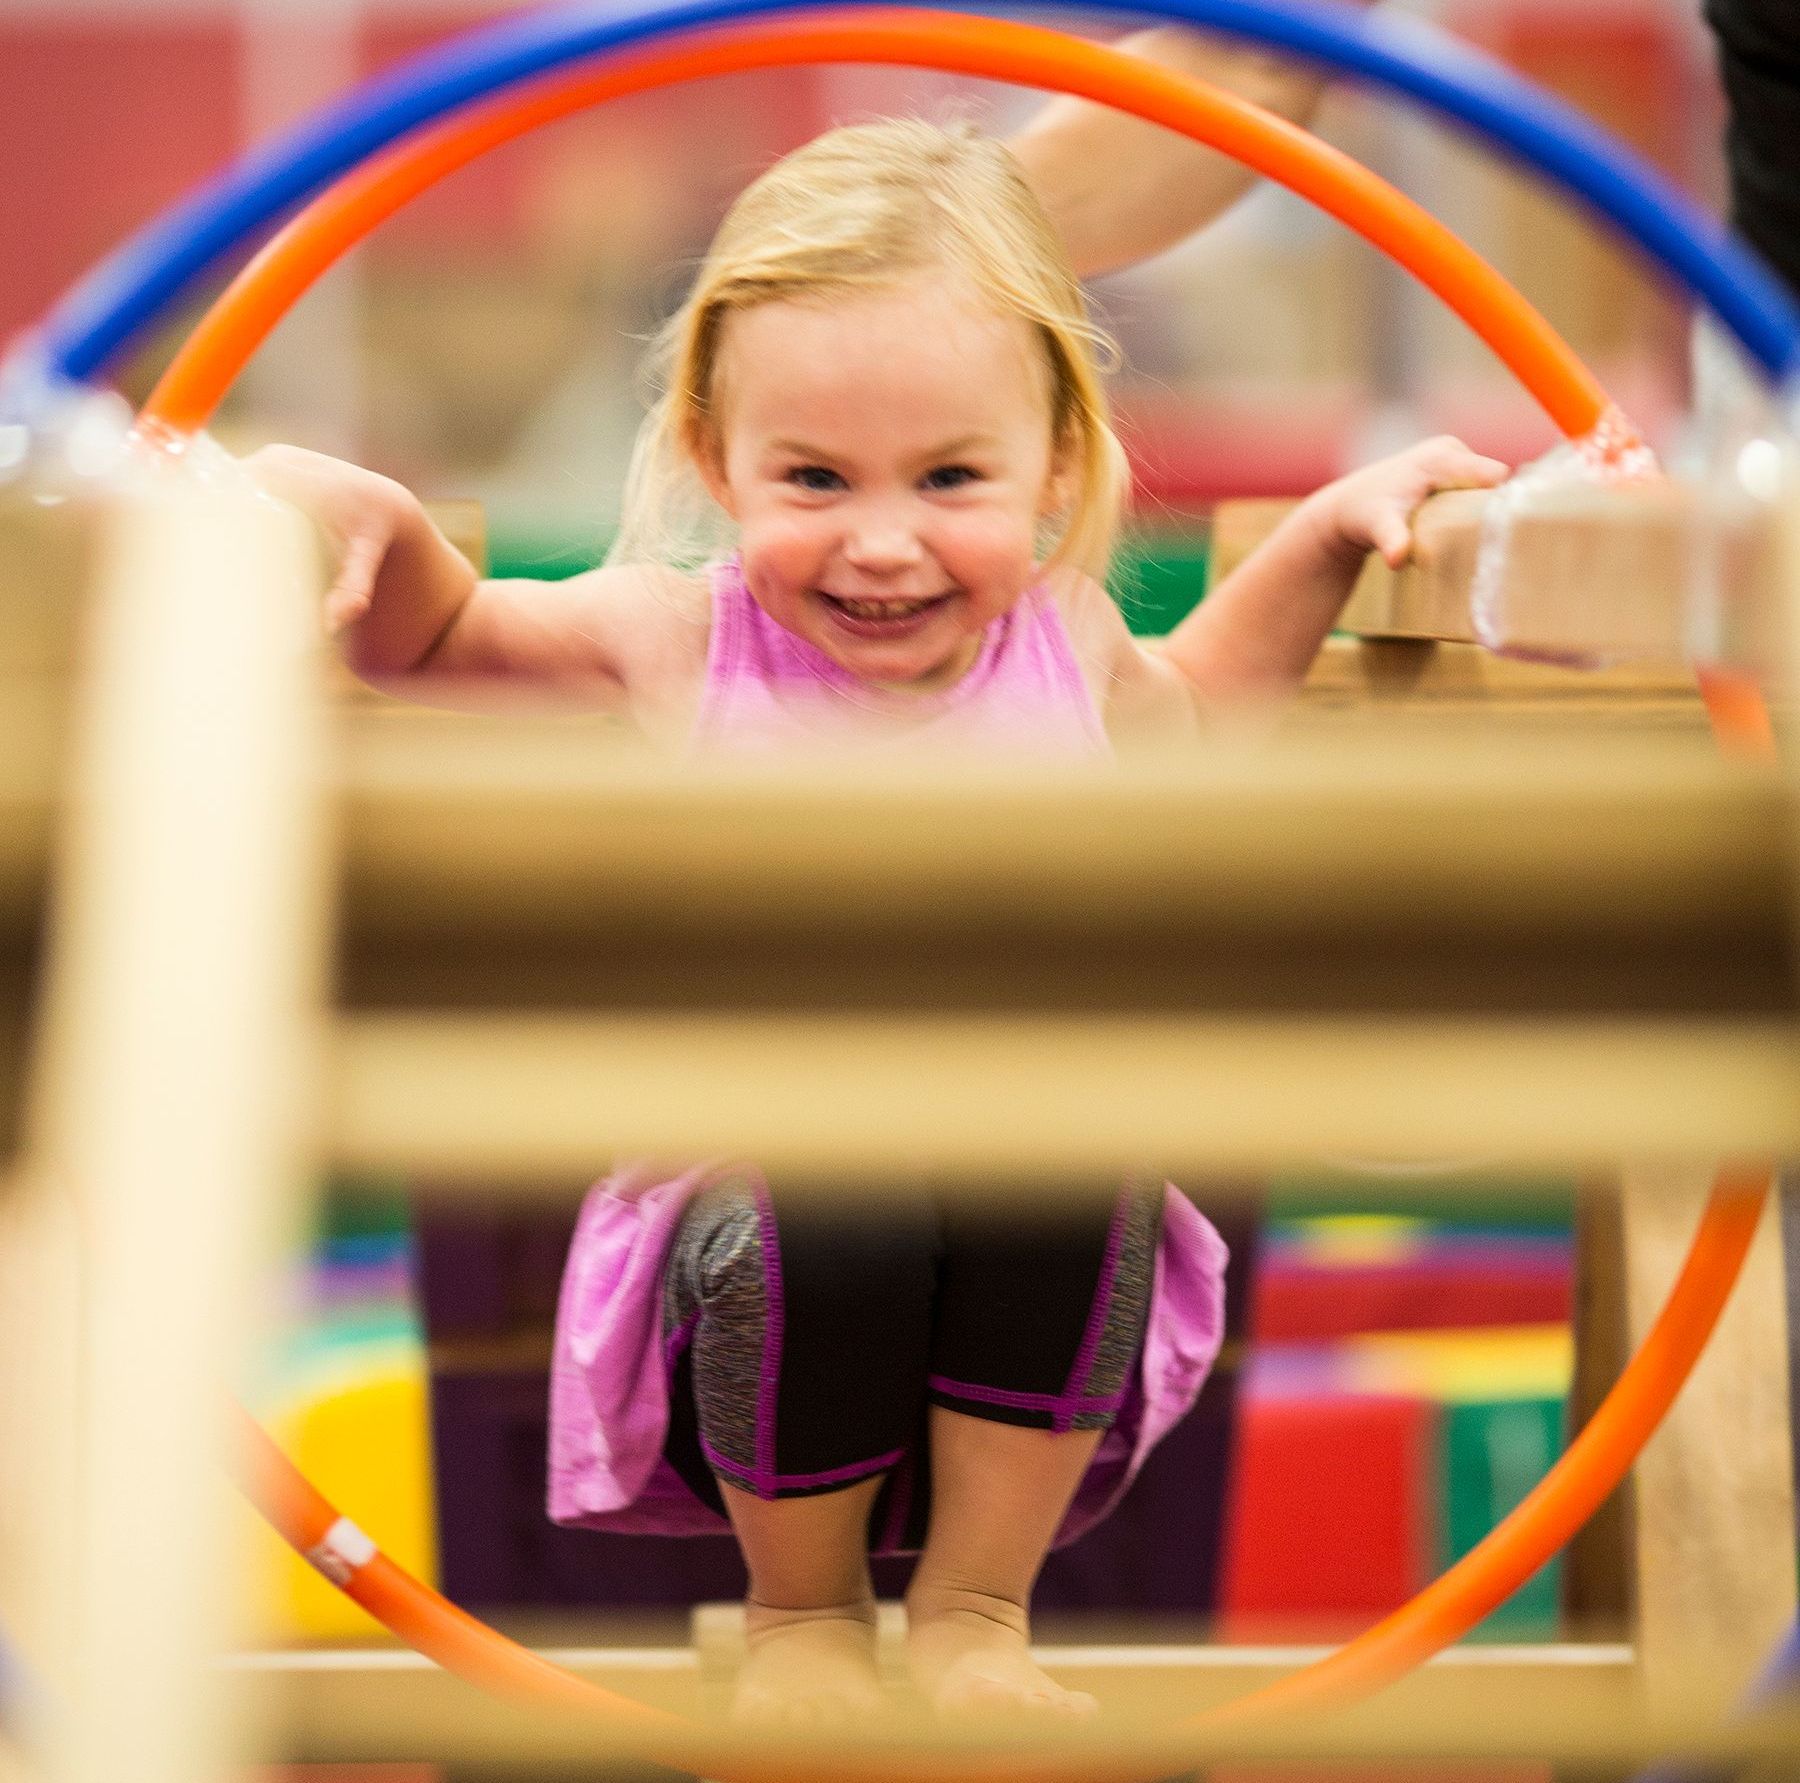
(887,458)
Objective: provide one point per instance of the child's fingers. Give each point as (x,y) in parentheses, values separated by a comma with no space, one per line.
(1482,472)
(1452,465)
(1391,535)
(347,600)
(343,607)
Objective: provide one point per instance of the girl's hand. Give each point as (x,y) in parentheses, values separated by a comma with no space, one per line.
(1372,509)
(356,511)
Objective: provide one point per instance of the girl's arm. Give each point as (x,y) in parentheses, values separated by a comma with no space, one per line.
(1253,638)
(397,584)
(1120,189)
(404,601)
(1248,645)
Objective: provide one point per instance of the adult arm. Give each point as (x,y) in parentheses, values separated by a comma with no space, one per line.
(1120,189)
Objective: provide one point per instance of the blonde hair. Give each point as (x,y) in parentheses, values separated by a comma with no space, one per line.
(859,208)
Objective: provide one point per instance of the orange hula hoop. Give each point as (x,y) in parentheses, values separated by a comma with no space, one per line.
(197,379)
(1027,55)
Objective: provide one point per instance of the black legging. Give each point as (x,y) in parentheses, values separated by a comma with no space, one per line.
(805,1338)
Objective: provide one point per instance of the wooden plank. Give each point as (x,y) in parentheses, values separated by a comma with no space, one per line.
(522,819)
(1391,672)
(323,1685)
(46,553)
(1592,575)
(1571,1702)
(1712,1497)
(1406,683)
(523,823)
(1010,1101)
(318,1687)
(180,1011)
(1134,1678)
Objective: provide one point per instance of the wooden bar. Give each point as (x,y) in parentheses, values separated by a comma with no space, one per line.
(315,1689)
(175,1063)
(522,823)
(1574,1704)
(544,1103)
(1135,1679)
(1592,576)
(1405,685)
(540,825)
(31,749)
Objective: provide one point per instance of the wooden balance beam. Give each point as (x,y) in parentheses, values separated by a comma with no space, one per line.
(185,794)
(1601,582)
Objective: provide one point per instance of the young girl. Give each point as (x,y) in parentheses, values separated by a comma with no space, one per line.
(884,384)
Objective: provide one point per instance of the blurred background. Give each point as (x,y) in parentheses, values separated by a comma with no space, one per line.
(1397,1371)
(485,342)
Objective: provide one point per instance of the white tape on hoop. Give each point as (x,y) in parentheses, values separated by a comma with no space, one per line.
(342,1553)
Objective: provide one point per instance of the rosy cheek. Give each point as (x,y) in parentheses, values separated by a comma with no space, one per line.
(996,536)
(785,543)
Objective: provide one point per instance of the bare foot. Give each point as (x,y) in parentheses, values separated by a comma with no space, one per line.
(971,1655)
(808,1668)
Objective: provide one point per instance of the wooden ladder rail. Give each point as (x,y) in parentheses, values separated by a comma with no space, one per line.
(169,1112)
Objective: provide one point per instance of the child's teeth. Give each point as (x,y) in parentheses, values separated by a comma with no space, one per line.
(882,609)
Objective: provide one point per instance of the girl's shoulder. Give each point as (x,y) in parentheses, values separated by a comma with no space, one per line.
(641,614)
(1138,693)
(654,624)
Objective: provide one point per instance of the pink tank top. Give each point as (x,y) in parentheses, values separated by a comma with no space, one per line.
(767,689)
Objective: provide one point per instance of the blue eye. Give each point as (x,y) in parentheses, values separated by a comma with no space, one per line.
(951,476)
(816,478)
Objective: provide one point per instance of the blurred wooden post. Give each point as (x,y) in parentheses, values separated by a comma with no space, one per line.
(181,1010)
(45,563)
(1712,1496)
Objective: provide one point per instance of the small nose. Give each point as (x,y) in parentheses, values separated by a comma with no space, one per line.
(879,541)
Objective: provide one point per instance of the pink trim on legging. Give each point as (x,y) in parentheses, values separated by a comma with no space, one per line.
(1090,1339)
(774,1319)
(1027,1402)
(766,1485)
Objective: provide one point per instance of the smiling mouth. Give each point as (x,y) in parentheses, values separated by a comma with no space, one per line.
(878,611)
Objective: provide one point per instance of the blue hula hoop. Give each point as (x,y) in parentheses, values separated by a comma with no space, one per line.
(108,309)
